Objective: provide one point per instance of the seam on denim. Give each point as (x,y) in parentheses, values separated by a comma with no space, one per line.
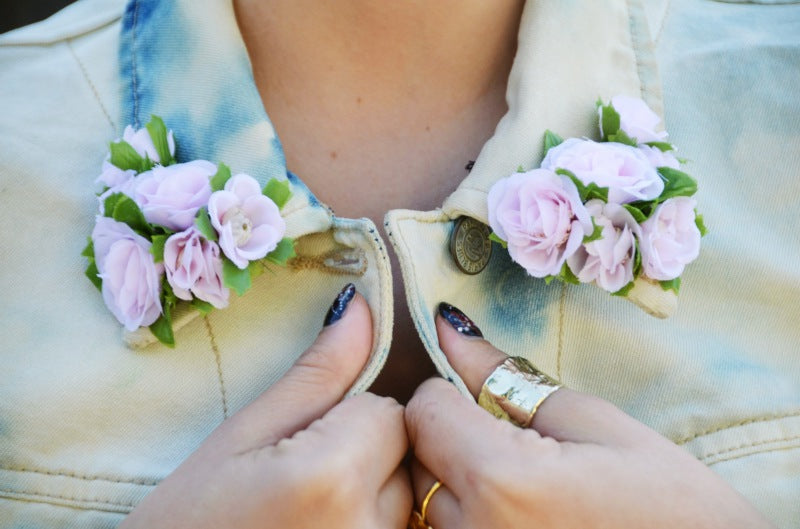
(561,311)
(13,494)
(84,477)
(218,359)
(752,420)
(134,72)
(384,327)
(634,47)
(663,23)
(91,84)
(709,459)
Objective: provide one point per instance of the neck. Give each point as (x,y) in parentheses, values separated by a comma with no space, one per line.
(441,56)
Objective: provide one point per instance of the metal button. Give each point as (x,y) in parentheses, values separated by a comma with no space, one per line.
(470,245)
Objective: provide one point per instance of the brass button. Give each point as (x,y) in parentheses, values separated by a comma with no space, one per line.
(470,245)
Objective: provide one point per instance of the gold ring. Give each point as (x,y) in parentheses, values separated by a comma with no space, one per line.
(515,390)
(419,520)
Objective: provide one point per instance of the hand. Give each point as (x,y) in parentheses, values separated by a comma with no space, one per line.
(582,463)
(297,457)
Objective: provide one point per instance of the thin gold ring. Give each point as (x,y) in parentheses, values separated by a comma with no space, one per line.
(424,508)
(419,520)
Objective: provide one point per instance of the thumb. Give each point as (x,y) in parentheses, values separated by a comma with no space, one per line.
(316,382)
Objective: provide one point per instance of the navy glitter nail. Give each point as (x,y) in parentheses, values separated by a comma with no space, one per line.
(336,311)
(459,320)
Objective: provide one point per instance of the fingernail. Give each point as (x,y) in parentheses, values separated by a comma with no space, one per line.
(339,305)
(459,321)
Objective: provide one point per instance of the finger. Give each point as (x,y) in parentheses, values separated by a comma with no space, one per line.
(395,499)
(565,415)
(317,381)
(454,438)
(444,509)
(363,437)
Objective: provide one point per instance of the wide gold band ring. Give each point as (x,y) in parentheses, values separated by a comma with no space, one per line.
(515,390)
(419,520)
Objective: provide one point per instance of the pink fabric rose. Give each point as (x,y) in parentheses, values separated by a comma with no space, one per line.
(170,196)
(608,261)
(636,119)
(142,143)
(131,279)
(249,224)
(194,266)
(626,172)
(670,239)
(541,217)
(658,158)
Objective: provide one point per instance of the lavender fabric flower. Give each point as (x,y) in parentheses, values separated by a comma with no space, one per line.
(658,158)
(131,279)
(625,170)
(541,217)
(670,239)
(170,196)
(194,266)
(636,119)
(142,143)
(608,261)
(248,223)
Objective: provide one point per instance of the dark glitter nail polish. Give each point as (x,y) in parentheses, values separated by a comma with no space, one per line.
(336,311)
(459,320)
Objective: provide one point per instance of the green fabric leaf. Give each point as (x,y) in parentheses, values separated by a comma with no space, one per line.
(622,137)
(222,175)
(162,327)
(676,184)
(278,191)
(662,146)
(551,139)
(283,252)
(637,261)
(585,192)
(597,233)
(624,290)
(158,133)
(520,169)
(203,223)
(235,278)
(92,273)
(609,121)
(493,237)
(125,157)
(549,279)
(637,214)
(91,267)
(203,307)
(127,211)
(567,276)
(674,284)
(157,248)
(698,220)
(645,207)
(88,250)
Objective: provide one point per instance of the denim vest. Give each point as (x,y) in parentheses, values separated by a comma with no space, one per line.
(91,419)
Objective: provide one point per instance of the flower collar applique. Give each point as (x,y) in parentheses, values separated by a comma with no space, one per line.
(607,212)
(170,232)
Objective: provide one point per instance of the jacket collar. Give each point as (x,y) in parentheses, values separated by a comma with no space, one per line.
(185,61)
(568,55)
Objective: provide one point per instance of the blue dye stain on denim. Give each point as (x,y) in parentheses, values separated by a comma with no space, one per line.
(517,300)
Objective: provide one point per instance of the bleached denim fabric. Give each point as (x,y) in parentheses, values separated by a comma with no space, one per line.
(88,426)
